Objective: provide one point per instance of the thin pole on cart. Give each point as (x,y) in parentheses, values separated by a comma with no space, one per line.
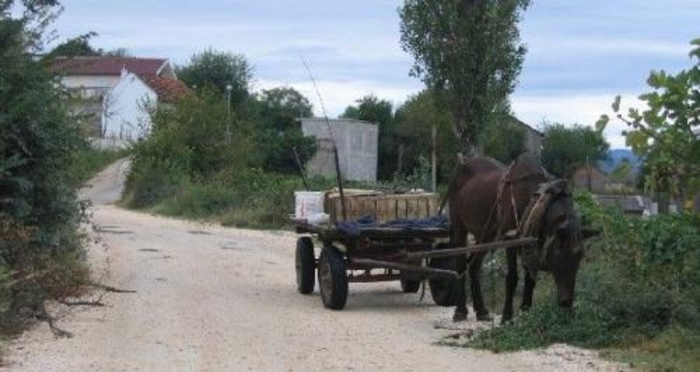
(339,176)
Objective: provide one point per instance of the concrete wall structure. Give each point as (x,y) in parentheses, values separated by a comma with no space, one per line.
(357,143)
(590,178)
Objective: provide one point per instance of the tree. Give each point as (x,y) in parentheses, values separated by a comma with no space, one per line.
(77,46)
(414,122)
(468,52)
(80,47)
(566,148)
(216,70)
(665,133)
(282,146)
(41,250)
(504,140)
(381,112)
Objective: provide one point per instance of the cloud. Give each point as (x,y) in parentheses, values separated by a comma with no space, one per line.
(572,108)
(337,95)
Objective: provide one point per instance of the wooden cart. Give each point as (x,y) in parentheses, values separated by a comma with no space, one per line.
(375,254)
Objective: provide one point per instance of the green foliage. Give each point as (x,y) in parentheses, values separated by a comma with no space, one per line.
(504,140)
(277,134)
(186,143)
(80,46)
(88,161)
(676,349)
(419,178)
(214,70)
(566,148)
(39,212)
(663,132)
(76,47)
(469,54)
(414,121)
(638,285)
(248,198)
(381,112)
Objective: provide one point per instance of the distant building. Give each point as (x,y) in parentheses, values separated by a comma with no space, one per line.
(126,108)
(111,92)
(357,142)
(628,204)
(533,137)
(590,178)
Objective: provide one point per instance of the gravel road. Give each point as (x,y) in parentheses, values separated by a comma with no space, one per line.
(218,299)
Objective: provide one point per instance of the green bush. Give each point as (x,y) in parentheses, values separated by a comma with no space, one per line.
(188,167)
(41,251)
(188,143)
(639,281)
(88,161)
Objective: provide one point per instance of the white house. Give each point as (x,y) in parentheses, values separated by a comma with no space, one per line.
(106,91)
(127,106)
(93,76)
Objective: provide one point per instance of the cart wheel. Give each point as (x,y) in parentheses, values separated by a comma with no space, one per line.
(442,290)
(332,278)
(410,286)
(305,265)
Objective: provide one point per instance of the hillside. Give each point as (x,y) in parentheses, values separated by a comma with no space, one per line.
(616,156)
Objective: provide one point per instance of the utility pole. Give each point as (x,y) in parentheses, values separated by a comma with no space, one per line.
(434,156)
(228,116)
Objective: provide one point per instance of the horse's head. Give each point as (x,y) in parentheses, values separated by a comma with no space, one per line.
(563,239)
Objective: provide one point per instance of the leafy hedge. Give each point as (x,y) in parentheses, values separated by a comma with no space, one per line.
(41,251)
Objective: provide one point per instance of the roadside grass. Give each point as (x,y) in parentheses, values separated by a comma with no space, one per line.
(251,199)
(88,161)
(676,349)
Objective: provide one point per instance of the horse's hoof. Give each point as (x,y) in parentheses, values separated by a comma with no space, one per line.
(485,317)
(459,316)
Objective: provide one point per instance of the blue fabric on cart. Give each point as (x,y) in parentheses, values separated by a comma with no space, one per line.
(353,228)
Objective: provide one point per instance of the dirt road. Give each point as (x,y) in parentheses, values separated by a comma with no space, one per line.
(218,299)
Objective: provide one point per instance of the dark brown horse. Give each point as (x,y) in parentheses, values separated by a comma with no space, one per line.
(488,201)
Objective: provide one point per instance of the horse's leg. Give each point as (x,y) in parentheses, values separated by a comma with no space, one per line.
(511,283)
(528,291)
(475,281)
(458,238)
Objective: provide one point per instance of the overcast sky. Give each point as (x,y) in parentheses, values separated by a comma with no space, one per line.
(581,54)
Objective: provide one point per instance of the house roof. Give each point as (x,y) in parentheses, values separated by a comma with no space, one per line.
(108,66)
(336,121)
(168,90)
(527,126)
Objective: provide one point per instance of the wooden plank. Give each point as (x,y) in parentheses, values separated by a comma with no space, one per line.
(472,249)
(369,263)
(372,278)
(384,207)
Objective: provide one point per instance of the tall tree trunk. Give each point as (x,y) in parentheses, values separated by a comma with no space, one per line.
(399,159)
(460,130)
(434,157)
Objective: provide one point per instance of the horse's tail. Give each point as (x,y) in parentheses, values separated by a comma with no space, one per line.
(452,187)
